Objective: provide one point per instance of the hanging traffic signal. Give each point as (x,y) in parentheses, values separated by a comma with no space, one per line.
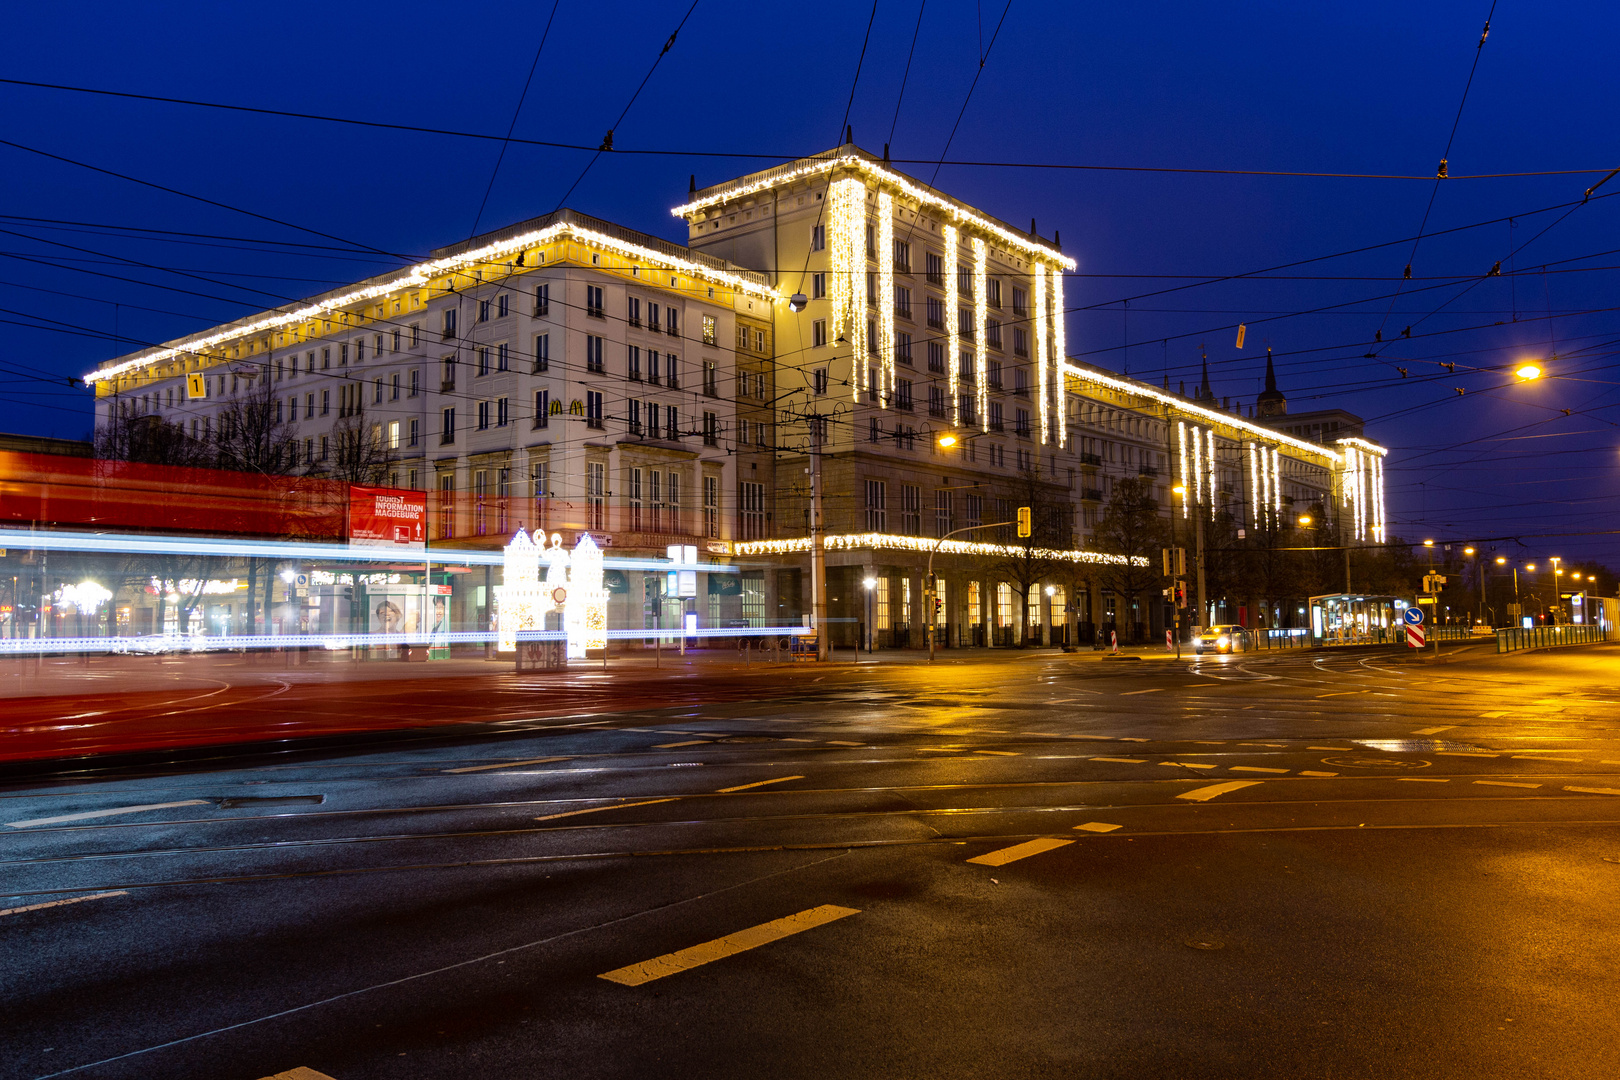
(1023,521)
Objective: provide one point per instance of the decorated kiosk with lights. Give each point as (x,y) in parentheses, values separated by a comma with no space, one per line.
(573,590)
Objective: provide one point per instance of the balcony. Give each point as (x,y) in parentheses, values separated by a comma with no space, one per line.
(1091,459)
(903,312)
(446,385)
(997,426)
(1146,470)
(1091,494)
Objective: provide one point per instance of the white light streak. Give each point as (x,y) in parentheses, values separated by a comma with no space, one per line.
(846,256)
(888,541)
(1038,329)
(953,329)
(885,260)
(1059,357)
(981,318)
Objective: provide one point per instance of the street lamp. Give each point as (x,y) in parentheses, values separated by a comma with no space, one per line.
(869,584)
(1304,521)
(1528,371)
(1051,591)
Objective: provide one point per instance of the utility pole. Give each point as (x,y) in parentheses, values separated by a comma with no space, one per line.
(1203,603)
(818,554)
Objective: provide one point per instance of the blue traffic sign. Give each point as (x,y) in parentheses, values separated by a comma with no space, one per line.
(1413,616)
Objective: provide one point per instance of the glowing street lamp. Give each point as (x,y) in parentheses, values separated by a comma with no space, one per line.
(1528,371)
(869,584)
(1305,521)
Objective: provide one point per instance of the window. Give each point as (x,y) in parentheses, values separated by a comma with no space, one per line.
(818,333)
(377,385)
(964,281)
(448,379)
(993,289)
(280,368)
(966,413)
(995,417)
(902,256)
(653,427)
(964,366)
(501,308)
(672,322)
(1021,423)
(1021,382)
(1020,341)
(672,378)
(711,506)
(818,237)
(416,382)
(309,406)
(1020,305)
(936,311)
(902,302)
(759,341)
(751,510)
(593,408)
(942,513)
(876,515)
(902,348)
(483,311)
(483,415)
(708,330)
(325,448)
(880,605)
(593,301)
(711,429)
(503,357)
(449,323)
(447,428)
(309,362)
(633,363)
(672,424)
(396,343)
(936,402)
(540,475)
(818,380)
(326,402)
(596,491)
(633,425)
(447,504)
(393,434)
(481,355)
(593,354)
(672,501)
(542,301)
(742,337)
(542,408)
(871,337)
(910,510)
(359,353)
(902,397)
(633,498)
(934,267)
(652,366)
(652,316)
(633,311)
(710,379)
(416,335)
(393,390)
(936,357)
(995,374)
(411,427)
(542,353)
(503,411)
(966,324)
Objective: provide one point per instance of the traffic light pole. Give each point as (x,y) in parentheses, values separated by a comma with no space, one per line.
(930,578)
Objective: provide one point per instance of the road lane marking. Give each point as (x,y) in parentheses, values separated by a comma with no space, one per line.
(1204,794)
(999,753)
(299,1073)
(1464,753)
(1538,757)
(707,953)
(1129,738)
(1307,772)
(1123,760)
(599,809)
(59,903)
(1276,745)
(1150,690)
(1187,764)
(673,745)
(758,783)
(1504,783)
(1491,715)
(508,764)
(1019,851)
(843,742)
(1424,779)
(1595,790)
(1341,693)
(104,813)
(1256,768)
(1098,827)
(1434,730)
(1341,749)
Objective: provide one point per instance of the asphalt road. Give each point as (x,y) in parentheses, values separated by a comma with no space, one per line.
(1292,865)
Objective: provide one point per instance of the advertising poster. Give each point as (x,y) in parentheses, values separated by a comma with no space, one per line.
(398,612)
(389,518)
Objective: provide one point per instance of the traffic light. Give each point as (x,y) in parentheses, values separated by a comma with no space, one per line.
(1023,521)
(1181,594)
(1175,562)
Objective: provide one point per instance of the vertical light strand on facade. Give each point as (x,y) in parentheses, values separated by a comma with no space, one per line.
(885,260)
(1378,494)
(1181,457)
(1059,358)
(1357,470)
(1264,506)
(981,315)
(846,255)
(1210,465)
(1198,465)
(1254,490)
(1038,329)
(953,331)
(1276,487)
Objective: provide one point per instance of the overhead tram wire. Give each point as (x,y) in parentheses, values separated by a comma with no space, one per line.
(1440,174)
(780,157)
(516,112)
(607,142)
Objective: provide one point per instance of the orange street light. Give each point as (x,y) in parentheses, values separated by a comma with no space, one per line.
(1305,520)
(947,441)
(1528,371)
(1428,543)
(1501,560)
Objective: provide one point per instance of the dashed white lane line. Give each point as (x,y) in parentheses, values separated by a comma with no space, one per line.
(673,745)
(1256,768)
(1150,690)
(1538,757)
(1098,827)
(1595,790)
(1273,745)
(707,953)
(998,753)
(1123,760)
(599,809)
(1204,794)
(87,815)
(59,903)
(1307,772)
(1491,715)
(1505,783)
(843,742)
(1128,738)
(1341,693)
(1019,851)
(507,764)
(1187,764)
(1462,753)
(1340,749)
(1434,730)
(299,1073)
(1424,779)
(758,783)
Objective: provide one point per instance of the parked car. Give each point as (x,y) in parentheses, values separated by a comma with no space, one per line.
(1229,638)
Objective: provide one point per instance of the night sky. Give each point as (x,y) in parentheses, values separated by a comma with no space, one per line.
(1370,88)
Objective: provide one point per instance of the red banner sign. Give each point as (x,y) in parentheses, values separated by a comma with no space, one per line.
(389,518)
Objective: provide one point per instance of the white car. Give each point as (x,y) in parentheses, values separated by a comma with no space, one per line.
(1228,638)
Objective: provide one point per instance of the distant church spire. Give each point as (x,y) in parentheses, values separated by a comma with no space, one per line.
(1271,401)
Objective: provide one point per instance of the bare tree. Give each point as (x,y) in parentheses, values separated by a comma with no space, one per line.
(147,438)
(251,434)
(1033,559)
(360,454)
(1131,527)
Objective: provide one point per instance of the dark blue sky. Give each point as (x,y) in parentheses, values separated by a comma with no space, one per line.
(1367,88)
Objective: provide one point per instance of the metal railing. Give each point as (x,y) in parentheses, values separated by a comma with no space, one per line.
(1515,638)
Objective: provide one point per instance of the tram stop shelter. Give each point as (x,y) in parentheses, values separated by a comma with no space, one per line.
(1356,619)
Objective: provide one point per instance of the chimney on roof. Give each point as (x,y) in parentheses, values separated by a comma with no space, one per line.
(691,185)
(849,134)
(1057,239)
(1033,231)
(885,153)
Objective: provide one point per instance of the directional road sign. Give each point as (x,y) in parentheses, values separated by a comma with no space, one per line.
(1413,616)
